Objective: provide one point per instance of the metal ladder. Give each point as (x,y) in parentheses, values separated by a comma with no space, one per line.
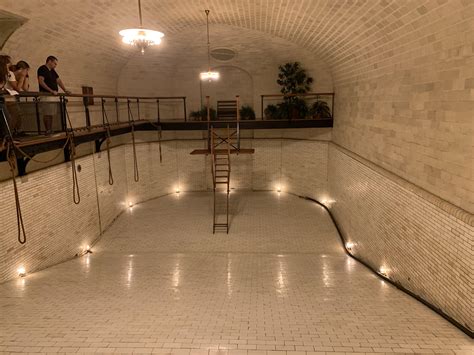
(220,172)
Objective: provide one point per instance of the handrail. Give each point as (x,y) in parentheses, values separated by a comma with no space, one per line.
(65,100)
(305,94)
(39,93)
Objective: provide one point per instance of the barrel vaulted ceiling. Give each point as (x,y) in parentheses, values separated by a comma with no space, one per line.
(349,35)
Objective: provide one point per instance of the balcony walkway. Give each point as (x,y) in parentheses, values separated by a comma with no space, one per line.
(278,284)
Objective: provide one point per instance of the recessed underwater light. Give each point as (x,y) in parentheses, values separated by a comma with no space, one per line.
(384,271)
(21,271)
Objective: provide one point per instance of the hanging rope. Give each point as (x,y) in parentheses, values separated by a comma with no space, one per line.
(111,177)
(11,157)
(136,177)
(159,144)
(158,130)
(72,155)
(107,141)
(76,196)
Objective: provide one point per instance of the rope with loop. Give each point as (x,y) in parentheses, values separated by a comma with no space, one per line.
(11,157)
(76,196)
(159,144)
(136,177)
(158,129)
(107,141)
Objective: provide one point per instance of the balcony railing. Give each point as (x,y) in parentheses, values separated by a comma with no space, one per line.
(100,113)
(297,106)
(74,111)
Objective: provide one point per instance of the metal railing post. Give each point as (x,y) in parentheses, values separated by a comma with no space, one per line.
(117,109)
(184,106)
(138,109)
(261,106)
(158,110)
(62,103)
(332,107)
(102,100)
(38,119)
(129,110)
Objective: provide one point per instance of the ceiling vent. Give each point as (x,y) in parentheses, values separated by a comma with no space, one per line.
(223,54)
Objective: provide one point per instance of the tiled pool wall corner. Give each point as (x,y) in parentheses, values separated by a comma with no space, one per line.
(415,241)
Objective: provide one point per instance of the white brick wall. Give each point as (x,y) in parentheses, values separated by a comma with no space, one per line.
(403,71)
(57,229)
(111,198)
(424,248)
(403,75)
(408,105)
(423,245)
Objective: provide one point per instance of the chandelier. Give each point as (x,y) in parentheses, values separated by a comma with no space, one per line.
(140,37)
(209,75)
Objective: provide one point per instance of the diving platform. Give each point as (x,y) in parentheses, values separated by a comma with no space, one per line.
(221,151)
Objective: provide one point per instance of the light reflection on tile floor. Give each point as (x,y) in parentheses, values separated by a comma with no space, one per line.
(160,282)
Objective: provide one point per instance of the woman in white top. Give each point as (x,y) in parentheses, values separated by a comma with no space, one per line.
(20,71)
(9,83)
(6,76)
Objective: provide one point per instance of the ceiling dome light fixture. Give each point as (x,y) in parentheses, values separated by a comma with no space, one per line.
(209,75)
(140,37)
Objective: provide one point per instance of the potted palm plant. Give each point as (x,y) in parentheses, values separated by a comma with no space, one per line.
(293,80)
(320,109)
(271,112)
(247,113)
(201,115)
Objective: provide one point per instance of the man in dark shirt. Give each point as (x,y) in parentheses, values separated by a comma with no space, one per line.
(48,81)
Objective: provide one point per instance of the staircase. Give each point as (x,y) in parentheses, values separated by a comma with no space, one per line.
(221,172)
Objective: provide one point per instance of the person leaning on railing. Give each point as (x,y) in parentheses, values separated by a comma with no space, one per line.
(10,84)
(9,80)
(49,82)
(20,70)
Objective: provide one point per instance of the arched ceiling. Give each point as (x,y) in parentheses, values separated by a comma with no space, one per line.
(349,35)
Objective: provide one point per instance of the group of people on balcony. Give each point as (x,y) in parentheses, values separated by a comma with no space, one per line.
(14,78)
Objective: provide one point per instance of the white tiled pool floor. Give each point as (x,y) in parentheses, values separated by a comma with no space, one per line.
(159,281)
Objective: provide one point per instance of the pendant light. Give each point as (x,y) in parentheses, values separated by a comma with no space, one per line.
(209,75)
(140,37)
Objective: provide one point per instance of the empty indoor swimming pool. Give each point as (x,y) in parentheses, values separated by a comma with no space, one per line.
(159,281)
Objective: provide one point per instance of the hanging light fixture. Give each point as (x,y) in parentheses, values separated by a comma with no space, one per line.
(209,75)
(140,37)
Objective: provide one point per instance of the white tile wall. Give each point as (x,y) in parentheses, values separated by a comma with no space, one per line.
(425,249)
(402,70)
